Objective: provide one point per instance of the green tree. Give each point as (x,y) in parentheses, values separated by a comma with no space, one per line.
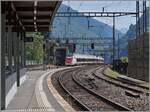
(34,51)
(124,59)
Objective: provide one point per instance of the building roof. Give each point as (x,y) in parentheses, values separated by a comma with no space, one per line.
(31,15)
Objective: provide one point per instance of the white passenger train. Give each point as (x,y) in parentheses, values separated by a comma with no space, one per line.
(80,59)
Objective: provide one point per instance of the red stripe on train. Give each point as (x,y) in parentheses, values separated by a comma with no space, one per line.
(68,60)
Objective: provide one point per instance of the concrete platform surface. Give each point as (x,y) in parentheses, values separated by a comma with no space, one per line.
(27,96)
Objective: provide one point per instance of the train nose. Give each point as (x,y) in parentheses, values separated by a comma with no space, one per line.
(68,61)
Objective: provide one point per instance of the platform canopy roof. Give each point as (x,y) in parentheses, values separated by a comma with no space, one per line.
(31,16)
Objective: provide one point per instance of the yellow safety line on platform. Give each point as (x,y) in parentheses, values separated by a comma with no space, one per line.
(58,97)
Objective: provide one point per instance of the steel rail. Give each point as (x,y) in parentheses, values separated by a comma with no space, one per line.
(126,82)
(117,84)
(112,103)
(83,106)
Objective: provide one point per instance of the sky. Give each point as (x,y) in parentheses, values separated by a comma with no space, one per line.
(122,23)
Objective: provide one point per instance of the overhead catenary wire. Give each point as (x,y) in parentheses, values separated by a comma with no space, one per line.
(104,8)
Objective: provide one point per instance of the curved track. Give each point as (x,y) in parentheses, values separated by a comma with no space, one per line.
(99,73)
(110,91)
(82,105)
(85,97)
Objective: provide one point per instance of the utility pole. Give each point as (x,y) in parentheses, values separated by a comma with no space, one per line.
(143,22)
(144,16)
(113,37)
(137,20)
(118,47)
(83,45)
(88,24)
(68,17)
(83,49)
(65,31)
(103,9)
(45,53)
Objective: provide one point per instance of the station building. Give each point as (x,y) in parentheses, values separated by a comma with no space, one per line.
(18,18)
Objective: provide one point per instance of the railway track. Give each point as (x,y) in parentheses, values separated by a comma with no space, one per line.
(99,73)
(79,103)
(103,98)
(85,97)
(105,88)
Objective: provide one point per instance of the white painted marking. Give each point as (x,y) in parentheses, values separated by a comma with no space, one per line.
(29,110)
(40,94)
(67,107)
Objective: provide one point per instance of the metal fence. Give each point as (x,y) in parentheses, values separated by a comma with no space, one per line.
(138,55)
(33,62)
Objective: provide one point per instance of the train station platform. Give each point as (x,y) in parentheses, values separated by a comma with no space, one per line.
(20,18)
(36,94)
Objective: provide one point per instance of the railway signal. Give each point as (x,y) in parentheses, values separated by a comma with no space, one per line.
(74,47)
(92,46)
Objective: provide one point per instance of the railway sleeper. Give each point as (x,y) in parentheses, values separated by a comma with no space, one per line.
(132,94)
(92,84)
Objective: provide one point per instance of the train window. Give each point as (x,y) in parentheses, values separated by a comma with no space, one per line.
(69,55)
(90,60)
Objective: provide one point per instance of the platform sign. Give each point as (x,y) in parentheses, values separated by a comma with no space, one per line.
(28,39)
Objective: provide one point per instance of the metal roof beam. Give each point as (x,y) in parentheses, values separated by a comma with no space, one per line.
(38,17)
(29,23)
(17,17)
(31,29)
(38,23)
(93,14)
(30,8)
(35,15)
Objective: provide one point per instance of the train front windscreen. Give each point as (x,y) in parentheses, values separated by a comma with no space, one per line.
(69,59)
